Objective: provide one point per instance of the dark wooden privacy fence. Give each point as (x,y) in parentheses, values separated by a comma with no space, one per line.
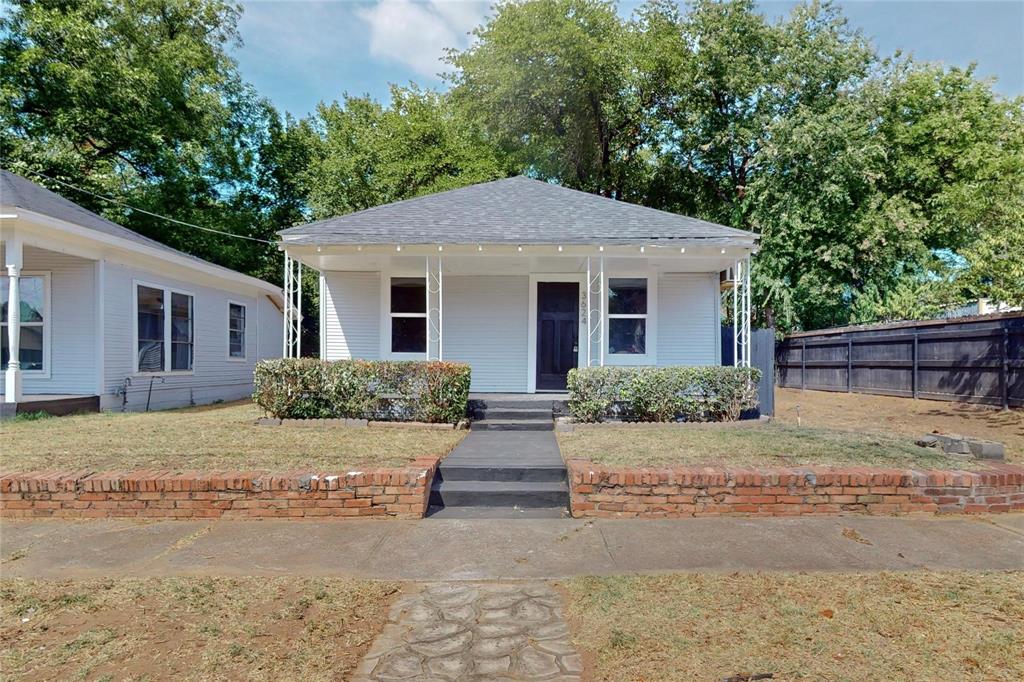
(977,359)
(762,356)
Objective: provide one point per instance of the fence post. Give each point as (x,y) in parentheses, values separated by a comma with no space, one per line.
(803,365)
(913,367)
(849,365)
(1004,369)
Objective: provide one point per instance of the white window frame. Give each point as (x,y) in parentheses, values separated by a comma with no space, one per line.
(245,332)
(43,373)
(649,357)
(387,315)
(167,371)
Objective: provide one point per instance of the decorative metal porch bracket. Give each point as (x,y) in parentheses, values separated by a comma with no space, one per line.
(597,299)
(435,308)
(292,307)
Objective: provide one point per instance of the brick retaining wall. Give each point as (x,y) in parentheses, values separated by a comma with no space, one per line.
(658,492)
(399,492)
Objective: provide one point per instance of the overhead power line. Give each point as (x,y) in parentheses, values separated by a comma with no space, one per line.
(150,213)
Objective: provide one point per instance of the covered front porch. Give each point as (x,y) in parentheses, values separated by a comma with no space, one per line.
(50,327)
(523,315)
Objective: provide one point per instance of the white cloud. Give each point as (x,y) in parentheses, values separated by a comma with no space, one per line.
(416,34)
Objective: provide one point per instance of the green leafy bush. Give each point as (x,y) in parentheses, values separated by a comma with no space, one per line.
(661,394)
(307,388)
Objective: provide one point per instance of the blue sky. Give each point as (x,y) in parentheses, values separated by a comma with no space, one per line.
(299,52)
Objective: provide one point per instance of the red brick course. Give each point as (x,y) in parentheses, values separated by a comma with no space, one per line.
(673,492)
(398,493)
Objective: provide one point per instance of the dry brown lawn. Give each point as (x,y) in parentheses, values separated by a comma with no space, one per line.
(212,437)
(908,626)
(189,628)
(771,444)
(883,414)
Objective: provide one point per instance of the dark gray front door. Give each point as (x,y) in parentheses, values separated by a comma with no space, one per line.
(558,324)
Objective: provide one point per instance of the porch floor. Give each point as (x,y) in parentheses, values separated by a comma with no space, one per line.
(56,404)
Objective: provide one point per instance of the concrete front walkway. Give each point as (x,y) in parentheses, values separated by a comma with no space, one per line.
(503,549)
(475,631)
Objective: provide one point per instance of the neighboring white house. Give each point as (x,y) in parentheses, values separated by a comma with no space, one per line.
(523,280)
(98,316)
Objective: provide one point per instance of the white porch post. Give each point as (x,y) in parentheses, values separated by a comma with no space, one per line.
(12,376)
(292,342)
(602,293)
(741,350)
(748,340)
(735,314)
(595,317)
(435,307)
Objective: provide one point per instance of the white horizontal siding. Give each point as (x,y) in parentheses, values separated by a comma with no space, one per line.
(214,376)
(688,319)
(485,325)
(351,317)
(72,358)
(269,335)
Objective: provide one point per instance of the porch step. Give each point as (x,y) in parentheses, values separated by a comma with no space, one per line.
(535,412)
(521,494)
(500,472)
(498,512)
(532,402)
(547,424)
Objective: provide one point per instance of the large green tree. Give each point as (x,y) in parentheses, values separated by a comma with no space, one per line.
(866,178)
(139,99)
(881,188)
(554,84)
(366,153)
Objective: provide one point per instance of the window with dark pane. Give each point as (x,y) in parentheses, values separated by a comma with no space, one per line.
(627,336)
(627,316)
(408,295)
(627,296)
(150,308)
(236,330)
(181,332)
(408,334)
(32,292)
(408,315)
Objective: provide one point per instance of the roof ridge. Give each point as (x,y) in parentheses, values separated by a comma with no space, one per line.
(401,202)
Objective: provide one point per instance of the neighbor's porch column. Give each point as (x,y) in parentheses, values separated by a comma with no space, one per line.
(12,377)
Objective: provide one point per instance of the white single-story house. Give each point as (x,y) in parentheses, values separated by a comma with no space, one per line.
(96,316)
(523,280)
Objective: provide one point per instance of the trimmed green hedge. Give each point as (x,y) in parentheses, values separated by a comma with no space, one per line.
(307,388)
(662,394)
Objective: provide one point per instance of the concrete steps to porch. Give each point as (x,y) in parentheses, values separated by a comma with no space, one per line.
(527,494)
(509,465)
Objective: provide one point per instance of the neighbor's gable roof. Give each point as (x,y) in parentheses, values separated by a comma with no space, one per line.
(22,193)
(512,210)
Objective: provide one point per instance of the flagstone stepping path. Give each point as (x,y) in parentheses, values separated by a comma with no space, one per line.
(474,631)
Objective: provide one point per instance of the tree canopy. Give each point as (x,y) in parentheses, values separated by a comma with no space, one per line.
(881,187)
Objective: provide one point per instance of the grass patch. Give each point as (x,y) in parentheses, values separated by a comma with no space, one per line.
(885,414)
(913,626)
(771,444)
(211,437)
(189,628)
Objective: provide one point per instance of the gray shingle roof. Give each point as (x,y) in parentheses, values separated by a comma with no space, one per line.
(512,210)
(23,193)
